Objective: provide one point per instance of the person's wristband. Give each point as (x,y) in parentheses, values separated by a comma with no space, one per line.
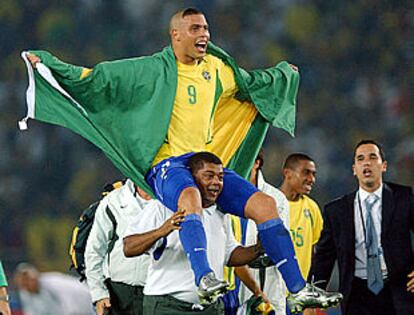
(4,298)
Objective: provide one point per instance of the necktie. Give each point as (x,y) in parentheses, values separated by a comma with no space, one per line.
(374,274)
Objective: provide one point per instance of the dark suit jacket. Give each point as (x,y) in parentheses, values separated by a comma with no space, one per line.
(337,241)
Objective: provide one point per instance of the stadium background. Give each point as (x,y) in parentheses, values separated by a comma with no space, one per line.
(356,63)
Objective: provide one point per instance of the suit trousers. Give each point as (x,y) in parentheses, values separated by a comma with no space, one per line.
(363,302)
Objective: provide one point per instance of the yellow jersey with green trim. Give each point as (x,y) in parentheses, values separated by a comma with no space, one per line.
(305,229)
(229,273)
(199,89)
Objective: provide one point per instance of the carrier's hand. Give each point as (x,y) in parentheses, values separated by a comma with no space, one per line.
(33,59)
(258,246)
(102,305)
(264,296)
(173,222)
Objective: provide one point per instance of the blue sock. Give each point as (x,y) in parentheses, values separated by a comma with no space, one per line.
(193,239)
(278,246)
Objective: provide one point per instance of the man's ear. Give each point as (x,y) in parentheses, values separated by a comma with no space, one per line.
(353,170)
(175,34)
(384,166)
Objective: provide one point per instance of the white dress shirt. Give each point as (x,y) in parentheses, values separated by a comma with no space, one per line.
(360,226)
(171,274)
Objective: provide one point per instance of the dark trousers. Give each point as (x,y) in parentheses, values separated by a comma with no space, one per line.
(363,302)
(168,305)
(125,299)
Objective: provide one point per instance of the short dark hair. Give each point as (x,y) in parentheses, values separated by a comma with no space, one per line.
(190,11)
(293,159)
(183,13)
(197,161)
(370,141)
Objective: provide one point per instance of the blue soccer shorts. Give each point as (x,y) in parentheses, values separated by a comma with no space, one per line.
(171,176)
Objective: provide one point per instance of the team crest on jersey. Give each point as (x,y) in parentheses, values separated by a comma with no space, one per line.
(308,215)
(206,75)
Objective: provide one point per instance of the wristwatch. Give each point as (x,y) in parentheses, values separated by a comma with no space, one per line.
(4,298)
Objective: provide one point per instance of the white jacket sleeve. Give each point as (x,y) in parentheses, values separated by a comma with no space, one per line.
(96,252)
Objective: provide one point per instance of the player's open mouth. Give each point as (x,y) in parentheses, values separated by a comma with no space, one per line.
(213,191)
(367,172)
(201,46)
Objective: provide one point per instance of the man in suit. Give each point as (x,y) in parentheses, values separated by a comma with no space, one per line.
(368,232)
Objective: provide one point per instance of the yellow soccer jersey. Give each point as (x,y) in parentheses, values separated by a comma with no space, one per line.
(199,88)
(229,274)
(305,229)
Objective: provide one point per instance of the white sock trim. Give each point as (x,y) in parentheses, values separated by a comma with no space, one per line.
(280,263)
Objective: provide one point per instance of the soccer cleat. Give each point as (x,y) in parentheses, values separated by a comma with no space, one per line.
(210,288)
(312,297)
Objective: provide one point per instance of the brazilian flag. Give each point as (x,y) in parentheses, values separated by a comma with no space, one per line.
(124,107)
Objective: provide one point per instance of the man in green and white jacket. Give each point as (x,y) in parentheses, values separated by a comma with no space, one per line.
(115,282)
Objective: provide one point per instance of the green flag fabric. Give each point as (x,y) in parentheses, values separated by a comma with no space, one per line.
(3,280)
(124,107)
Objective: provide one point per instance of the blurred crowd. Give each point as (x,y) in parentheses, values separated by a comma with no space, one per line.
(356,63)
(48,293)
